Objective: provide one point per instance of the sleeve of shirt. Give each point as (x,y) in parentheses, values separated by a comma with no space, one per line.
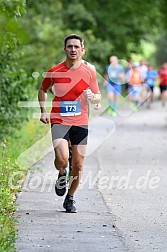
(47,81)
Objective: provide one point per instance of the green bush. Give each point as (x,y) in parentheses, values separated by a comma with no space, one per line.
(7,199)
(15,87)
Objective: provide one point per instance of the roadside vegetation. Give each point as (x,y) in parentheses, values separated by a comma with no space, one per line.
(10,184)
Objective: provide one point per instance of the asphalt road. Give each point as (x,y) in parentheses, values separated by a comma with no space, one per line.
(134,159)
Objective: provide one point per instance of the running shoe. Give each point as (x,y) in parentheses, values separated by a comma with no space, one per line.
(69,205)
(60,186)
(111,112)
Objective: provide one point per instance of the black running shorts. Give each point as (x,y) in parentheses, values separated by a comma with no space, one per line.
(163,88)
(76,134)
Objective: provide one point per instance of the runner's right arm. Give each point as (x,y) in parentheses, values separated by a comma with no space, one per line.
(42,98)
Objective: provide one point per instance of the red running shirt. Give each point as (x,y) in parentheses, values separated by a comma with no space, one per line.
(69,105)
(135,77)
(163,76)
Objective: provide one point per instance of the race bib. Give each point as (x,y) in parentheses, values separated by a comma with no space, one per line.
(70,108)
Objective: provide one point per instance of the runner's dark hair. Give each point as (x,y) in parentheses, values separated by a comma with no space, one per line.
(74,36)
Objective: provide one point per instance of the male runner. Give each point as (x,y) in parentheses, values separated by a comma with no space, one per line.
(75,84)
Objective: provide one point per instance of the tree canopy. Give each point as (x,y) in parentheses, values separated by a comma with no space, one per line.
(32,35)
(109,27)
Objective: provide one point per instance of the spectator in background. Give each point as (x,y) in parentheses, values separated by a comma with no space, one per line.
(135,85)
(114,76)
(150,81)
(143,68)
(163,82)
(129,66)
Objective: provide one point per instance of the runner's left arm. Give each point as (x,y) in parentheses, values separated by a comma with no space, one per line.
(93,93)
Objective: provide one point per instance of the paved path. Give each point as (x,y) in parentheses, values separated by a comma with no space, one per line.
(122,200)
(45,226)
(134,157)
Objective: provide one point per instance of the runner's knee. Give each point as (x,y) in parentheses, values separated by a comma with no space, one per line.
(61,162)
(77,167)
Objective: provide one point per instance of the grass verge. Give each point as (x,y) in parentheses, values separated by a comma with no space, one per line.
(10,149)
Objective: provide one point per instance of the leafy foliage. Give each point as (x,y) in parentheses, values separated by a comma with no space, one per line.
(161,52)
(10,29)
(7,199)
(120,23)
(77,16)
(15,87)
(14,83)
(109,27)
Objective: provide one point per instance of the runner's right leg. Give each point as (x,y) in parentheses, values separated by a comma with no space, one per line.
(61,163)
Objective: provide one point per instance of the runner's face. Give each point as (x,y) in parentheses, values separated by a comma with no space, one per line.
(73,49)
